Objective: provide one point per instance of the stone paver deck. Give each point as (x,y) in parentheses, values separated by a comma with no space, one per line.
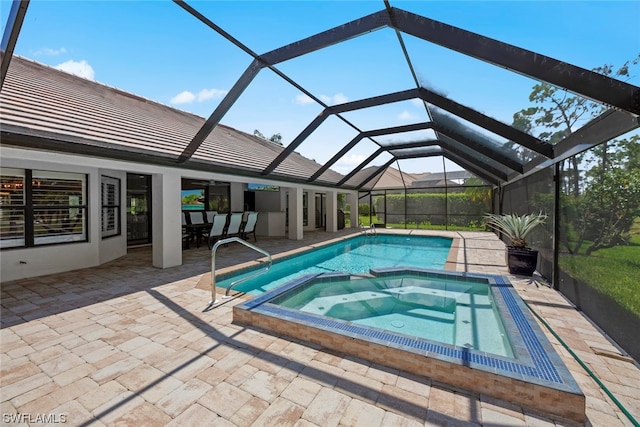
(128,344)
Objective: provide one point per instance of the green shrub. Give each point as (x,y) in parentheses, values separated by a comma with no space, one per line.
(464,209)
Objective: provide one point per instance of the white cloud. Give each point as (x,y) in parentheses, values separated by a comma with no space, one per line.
(351,160)
(47,51)
(406,116)
(348,162)
(184,97)
(78,68)
(303,99)
(418,102)
(207,94)
(338,98)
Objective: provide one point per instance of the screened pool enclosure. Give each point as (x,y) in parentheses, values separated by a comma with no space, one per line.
(434,139)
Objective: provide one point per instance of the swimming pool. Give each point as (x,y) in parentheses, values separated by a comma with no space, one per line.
(441,308)
(533,376)
(354,255)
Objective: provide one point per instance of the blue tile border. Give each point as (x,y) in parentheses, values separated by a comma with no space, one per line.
(535,359)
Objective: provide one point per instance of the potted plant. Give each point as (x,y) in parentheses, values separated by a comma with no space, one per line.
(521,259)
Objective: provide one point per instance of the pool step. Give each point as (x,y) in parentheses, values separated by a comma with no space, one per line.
(360,305)
(464,334)
(470,333)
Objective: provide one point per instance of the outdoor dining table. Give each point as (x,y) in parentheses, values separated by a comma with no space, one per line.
(198,230)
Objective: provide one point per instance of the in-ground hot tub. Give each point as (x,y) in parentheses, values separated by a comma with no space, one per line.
(514,362)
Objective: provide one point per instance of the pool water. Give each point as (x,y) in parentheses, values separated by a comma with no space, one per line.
(447,310)
(379,327)
(356,255)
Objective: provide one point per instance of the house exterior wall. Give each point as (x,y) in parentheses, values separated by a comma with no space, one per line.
(166,211)
(332,211)
(311,211)
(295,213)
(237,196)
(19,263)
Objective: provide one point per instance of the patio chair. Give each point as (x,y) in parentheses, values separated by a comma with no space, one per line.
(187,235)
(234,224)
(210,215)
(196,217)
(186,239)
(196,225)
(249,226)
(217,229)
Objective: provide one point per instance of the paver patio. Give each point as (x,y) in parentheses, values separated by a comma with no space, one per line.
(128,344)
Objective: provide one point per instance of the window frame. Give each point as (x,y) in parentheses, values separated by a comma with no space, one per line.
(31,210)
(116,206)
(13,211)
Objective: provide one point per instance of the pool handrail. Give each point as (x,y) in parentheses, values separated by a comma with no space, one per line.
(372,228)
(213,265)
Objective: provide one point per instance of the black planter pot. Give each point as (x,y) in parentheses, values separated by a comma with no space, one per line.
(522,261)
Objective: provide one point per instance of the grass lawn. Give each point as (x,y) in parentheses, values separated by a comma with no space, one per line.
(364,220)
(614,272)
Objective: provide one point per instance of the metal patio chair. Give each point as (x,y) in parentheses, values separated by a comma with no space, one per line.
(218,223)
(249,226)
(235,220)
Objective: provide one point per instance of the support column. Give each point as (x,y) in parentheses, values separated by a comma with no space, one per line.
(352,199)
(311,207)
(332,211)
(236,190)
(295,214)
(166,210)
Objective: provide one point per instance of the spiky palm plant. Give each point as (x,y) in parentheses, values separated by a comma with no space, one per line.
(515,227)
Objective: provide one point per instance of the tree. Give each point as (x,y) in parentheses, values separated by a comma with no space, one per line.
(600,206)
(275,138)
(612,196)
(556,113)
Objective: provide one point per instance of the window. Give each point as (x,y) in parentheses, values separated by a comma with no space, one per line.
(219,197)
(42,207)
(110,206)
(12,208)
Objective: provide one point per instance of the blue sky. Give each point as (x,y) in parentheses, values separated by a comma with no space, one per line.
(157,50)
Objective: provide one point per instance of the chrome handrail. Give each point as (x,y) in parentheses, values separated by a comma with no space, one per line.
(372,228)
(213,265)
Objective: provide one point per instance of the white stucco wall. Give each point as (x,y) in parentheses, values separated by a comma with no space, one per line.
(295,213)
(237,196)
(166,210)
(18,263)
(311,211)
(332,211)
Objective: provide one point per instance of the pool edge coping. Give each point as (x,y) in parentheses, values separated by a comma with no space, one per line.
(564,390)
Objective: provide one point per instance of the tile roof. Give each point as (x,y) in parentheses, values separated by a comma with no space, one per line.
(391,178)
(40,101)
